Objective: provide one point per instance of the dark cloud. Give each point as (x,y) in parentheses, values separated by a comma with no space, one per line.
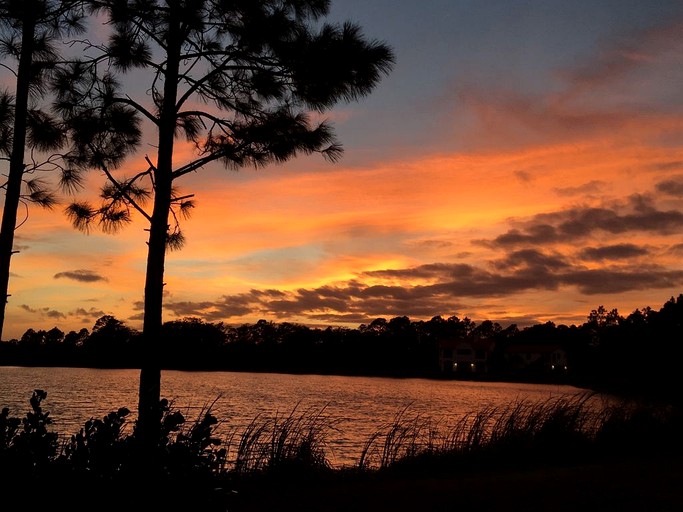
(88,314)
(587,189)
(427,271)
(482,283)
(85,316)
(448,284)
(84,276)
(45,311)
(612,252)
(638,214)
(228,306)
(435,244)
(673,186)
(595,281)
(531,235)
(532,258)
(667,166)
(187,308)
(524,176)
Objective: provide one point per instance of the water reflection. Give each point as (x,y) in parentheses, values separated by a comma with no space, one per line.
(356,406)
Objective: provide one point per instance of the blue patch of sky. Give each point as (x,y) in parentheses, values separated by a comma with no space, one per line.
(444,45)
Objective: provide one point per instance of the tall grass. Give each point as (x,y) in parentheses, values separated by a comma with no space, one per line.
(558,429)
(404,437)
(295,441)
(553,430)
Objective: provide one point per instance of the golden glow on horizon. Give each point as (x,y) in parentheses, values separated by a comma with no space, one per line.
(360,220)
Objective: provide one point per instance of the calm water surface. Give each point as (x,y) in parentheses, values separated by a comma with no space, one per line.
(357,406)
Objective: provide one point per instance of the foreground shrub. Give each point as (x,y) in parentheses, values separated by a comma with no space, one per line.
(104,449)
(99,446)
(26,445)
(190,449)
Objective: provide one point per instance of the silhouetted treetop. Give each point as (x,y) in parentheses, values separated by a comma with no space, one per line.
(244,82)
(30,31)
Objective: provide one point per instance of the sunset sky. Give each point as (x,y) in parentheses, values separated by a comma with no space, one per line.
(522,163)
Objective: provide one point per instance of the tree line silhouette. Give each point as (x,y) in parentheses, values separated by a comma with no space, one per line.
(639,352)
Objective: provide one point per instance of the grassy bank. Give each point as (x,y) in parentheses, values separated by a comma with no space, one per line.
(570,452)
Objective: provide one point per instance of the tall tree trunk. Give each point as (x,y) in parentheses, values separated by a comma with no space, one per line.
(16,165)
(149,413)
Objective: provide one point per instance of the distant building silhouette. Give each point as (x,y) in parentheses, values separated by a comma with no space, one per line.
(465,357)
(536,358)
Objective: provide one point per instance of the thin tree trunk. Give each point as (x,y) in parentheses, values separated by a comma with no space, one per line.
(16,166)
(149,413)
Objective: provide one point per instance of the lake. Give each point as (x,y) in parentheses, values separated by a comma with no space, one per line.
(357,407)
